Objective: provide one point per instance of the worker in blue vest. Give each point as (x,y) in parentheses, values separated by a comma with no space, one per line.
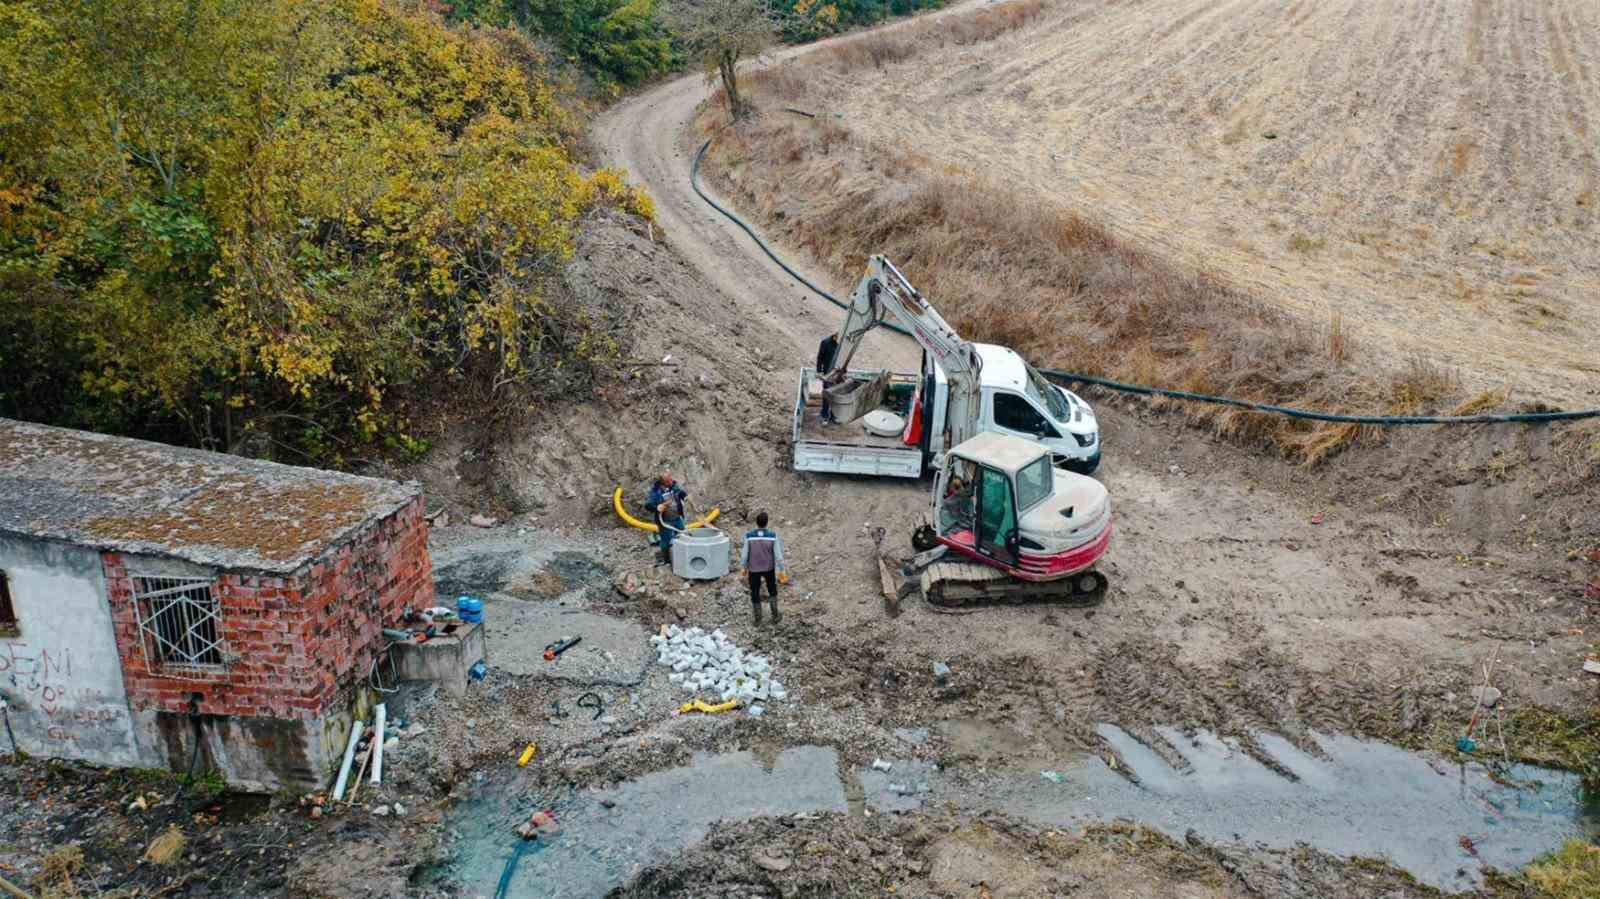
(762,558)
(666,499)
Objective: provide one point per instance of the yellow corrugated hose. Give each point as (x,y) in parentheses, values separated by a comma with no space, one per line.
(616,503)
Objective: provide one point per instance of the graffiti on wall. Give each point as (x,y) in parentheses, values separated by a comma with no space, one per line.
(39,678)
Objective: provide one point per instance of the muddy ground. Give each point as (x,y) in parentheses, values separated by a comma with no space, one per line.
(1248,595)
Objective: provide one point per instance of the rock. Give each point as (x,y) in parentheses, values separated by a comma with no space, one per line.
(628,586)
(1486,696)
(608,720)
(442,521)
(381,811)
(681,612)
(399,809)
(941,672)
(607,803)
(391,744)
(774,863)
(316,812)
(483,521)
(881,765)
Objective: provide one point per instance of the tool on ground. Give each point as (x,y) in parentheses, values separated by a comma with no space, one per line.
(554,650)
(598,705)
(527,755)
(1466,743)
(700,705)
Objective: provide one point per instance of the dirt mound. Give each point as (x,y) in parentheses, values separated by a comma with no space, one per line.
(937,854)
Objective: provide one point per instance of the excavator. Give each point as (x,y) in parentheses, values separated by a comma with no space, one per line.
(1007,524)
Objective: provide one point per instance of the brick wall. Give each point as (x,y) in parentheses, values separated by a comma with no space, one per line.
(298,639)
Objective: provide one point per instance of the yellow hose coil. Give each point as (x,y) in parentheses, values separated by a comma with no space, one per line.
(616,503)
(700,705)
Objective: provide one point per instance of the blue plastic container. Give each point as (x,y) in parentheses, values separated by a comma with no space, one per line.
(469,609)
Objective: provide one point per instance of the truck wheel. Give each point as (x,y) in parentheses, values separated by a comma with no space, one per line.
(924,539)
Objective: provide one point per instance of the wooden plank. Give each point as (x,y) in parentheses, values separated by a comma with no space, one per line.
(887,576)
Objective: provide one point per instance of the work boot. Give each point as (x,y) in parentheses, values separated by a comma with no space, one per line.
(776,615)
(756,607)
(664,557)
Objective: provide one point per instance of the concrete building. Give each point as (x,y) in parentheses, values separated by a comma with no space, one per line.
(153,597)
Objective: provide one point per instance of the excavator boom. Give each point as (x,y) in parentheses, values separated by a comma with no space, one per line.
(884,293)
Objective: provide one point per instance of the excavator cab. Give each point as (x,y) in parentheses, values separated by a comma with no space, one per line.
(978,503)
(1008,517)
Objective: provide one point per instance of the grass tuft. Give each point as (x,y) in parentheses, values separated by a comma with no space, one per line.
(166,848)
(1573,872)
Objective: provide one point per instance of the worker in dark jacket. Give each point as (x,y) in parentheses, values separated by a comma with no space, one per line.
(762,559)
(826,351)
(666,499)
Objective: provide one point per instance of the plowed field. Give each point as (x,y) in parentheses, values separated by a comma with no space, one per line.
(1425,168)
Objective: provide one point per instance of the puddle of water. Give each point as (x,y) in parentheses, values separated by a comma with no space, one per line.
(529,565)
(653,816)
(1364,799)
(1358,799)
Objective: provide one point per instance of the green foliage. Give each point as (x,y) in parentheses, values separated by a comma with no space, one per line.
(812,19)
(263,223)
(209,782)
(1572,872)
(621,40)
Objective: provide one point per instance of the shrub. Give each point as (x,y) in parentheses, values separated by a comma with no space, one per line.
(270,224)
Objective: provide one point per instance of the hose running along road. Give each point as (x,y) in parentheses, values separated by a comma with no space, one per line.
(1071,377)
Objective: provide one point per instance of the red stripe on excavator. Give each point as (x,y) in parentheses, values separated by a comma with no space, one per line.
(1034,567)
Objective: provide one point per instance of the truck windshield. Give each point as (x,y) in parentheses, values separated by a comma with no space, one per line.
(1044,393)
(1034,482)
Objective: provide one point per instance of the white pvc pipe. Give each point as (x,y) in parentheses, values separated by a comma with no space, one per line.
(377,745)
(349,756)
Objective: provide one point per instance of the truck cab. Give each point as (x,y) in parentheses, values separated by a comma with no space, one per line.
(1017,400)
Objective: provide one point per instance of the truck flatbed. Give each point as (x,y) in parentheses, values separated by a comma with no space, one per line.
(848,448)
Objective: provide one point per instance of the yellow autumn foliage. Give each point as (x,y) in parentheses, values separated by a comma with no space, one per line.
(224,220)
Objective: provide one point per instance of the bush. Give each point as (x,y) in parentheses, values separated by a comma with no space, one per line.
(270,224)
(621,40)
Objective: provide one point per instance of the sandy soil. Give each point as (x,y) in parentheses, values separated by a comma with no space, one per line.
(1426,169)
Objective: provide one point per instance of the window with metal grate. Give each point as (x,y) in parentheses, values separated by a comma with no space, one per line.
(178,621)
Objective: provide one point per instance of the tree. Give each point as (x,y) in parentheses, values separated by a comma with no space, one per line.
(722,32)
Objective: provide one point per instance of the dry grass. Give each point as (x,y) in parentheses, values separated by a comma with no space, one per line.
(56,870)
(898,45)
(1572,872)
(165,849)
(1006,268)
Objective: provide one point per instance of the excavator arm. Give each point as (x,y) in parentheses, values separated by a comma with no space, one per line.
(884,293)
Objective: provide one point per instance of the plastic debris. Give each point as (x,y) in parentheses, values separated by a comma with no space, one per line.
(756,711)
(941,671)
(527,755)
(700,705)
(881,765)
(1052,776)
